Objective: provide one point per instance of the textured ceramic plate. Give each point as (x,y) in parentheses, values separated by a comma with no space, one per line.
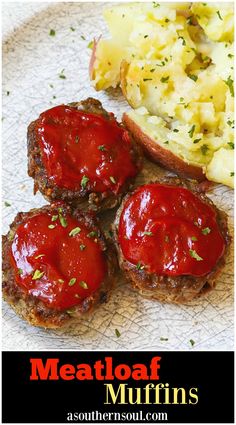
(32,62)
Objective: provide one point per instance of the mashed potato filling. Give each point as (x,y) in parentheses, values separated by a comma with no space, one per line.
(174,62)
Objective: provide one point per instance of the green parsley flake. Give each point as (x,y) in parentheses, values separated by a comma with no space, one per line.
(117,332)
(75,231)
(91,234)
(163,339)
(83,284)
(72,281)
(90,45)
(147,79)
(193,77)
(230,123)
(164,79)
(82,247)
(219,15)
(147,233)
(63,221)
(51,226)
(72,29)
(196,141)
(20,271)
(140,266)
(232,174)
(102,148)
(231,145)
(191,131)
(113,180)
(84,181)
(204,149)
(206,231)
(230,84)
(37,275)
(7,204)
(54,218)
(61,75)
(192,342)
(76,139)
(183,41)
(193,238)
(195,255)
(82,37)
(52,32)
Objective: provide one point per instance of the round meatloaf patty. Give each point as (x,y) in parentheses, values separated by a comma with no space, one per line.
(80,154)
(56,265)
(172,247)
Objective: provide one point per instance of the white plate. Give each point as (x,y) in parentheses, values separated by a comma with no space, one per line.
(32,60)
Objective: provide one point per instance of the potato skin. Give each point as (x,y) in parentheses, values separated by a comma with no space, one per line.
(34,310)
(178,289)
(161,155)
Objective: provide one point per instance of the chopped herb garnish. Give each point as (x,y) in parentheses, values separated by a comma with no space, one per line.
(163,339)
(20,271)
(195,255)
(83,37)
(63,221)
(193,238)
(37,274)
(7,204)
(181,99)
(167,20)
(140,266)
(72,281)
(11,235)
(102,148)
(218,13)
(51,226)
(231,145)
(84,181)
(117,333)
(167,142)
(193,77)
(152,70)
(91,234)
(39,256)
(232,174)
(206,231)
(192,342)
(147,79)
(54,97)
(230,123)
(155,4)
(83,284)
(90,44)
(196,141)
(175,130)
(183,41)
(54,218)
(51,85)
(52,32)
(230,84)
(8,93)
(76,139)
(72,28)
(75,231)
(204,149)
(230,55)
(191,131)
(145,36)
(164,79)
(147,233)
(61,75)
(113,180)
(82,247)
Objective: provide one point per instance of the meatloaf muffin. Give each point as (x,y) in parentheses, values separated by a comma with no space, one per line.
(171,240)
(56,265)
(78,153)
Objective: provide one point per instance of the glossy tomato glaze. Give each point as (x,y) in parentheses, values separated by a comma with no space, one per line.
(169,231)
(57,259)
(84,150)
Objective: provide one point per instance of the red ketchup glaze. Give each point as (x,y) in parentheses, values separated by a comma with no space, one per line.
(60,258)
(76,144)
(169,231)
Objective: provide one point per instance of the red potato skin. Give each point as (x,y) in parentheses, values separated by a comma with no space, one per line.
(160,155)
